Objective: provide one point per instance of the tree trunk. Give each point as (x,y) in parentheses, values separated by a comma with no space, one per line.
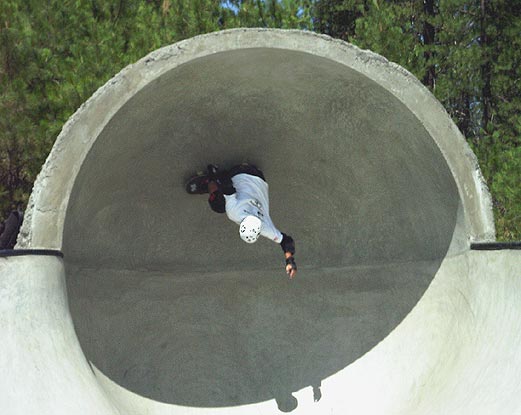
(429,33)
(486,90)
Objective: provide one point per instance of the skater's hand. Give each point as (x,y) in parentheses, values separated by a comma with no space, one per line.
(291,271)
(291,266)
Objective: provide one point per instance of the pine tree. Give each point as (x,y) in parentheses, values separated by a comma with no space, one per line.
(499,144)
(338,18)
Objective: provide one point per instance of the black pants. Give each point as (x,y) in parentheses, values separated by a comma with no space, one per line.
(245,168)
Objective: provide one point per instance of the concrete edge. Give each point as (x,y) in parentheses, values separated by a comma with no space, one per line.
(6,253)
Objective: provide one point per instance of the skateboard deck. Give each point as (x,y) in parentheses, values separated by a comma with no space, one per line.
(197,184)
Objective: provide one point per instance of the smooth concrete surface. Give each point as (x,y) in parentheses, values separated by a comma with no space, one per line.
(390,312)
(220,339)
(457,352)
(42,367)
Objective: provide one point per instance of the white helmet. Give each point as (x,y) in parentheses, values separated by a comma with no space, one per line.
(250,228)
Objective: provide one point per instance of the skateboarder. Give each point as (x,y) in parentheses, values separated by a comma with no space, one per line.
(242,193)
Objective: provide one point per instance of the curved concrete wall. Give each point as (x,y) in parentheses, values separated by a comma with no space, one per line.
(457,352)
(43,368)
(366,171)
(351,187)
(380,93)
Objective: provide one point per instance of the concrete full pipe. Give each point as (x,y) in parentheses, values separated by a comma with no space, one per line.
(157,306)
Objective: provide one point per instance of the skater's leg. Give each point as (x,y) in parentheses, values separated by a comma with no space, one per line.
(248,169)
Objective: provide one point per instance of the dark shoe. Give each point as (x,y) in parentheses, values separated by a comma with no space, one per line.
(212,171)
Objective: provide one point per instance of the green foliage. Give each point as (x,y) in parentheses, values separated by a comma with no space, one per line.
(498,144)
(55,54)
(338,18)
(505,188)
(469,54)
(501,165)
(284,14)
(390,29)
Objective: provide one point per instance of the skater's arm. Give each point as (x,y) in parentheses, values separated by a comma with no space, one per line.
(288,246)
(286,243)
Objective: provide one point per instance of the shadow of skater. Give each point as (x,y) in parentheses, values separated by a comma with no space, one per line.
(287,402)
(317,393)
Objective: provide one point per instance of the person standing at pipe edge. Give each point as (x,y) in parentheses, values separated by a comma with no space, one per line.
(242,193)
(10,228)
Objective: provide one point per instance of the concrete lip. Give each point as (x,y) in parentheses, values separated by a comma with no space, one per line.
(4,253)
(366,171)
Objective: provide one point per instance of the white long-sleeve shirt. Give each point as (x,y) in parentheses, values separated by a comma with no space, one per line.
(251,198)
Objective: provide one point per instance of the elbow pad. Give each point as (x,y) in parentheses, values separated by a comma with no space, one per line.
(217,202)
(288,244)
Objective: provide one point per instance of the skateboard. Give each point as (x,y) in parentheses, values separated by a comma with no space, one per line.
(198,183)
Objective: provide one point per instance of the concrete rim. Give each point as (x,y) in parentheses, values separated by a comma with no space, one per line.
(45,218)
